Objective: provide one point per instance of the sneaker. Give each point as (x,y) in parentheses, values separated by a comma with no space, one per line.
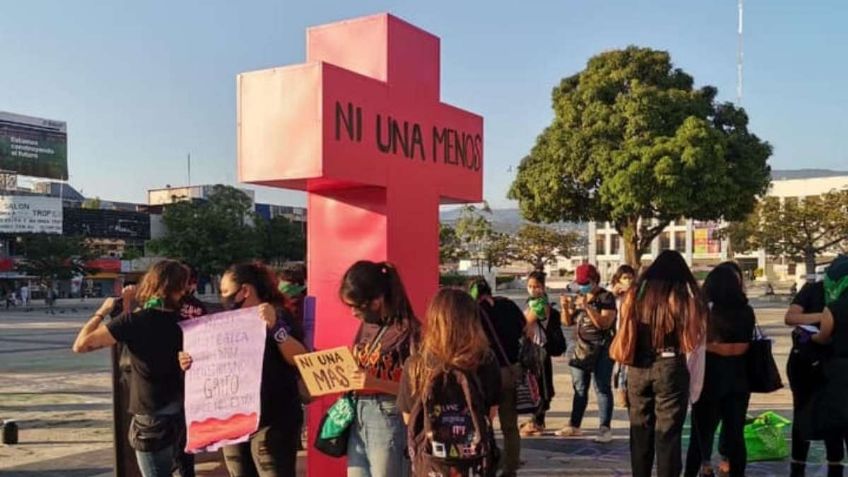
(604,436)
(569,431)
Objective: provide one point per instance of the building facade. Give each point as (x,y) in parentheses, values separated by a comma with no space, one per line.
(700,244)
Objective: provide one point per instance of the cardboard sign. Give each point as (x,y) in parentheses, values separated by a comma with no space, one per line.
(222,387)
(327,372)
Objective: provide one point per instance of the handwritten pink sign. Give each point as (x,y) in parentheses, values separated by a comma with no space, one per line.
(223,384)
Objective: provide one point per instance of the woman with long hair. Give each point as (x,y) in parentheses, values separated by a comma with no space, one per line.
(454,341)
(725,394)
(154,338)
(663,318)
(387,336)
(272,450)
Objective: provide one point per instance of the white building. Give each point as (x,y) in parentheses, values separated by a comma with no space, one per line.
(170,195)
(698,241)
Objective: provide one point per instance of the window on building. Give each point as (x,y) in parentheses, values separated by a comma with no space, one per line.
(601,244)
(680,241)
(615,245)
(665,241)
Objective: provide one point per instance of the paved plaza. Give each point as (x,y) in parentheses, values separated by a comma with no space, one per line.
(62,403)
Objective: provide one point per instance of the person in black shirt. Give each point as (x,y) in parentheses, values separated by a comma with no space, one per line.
(272,449)
(663,317)
(725,395)
(804,369)
(824,411)
(154,338)
(503,323)
(594,312)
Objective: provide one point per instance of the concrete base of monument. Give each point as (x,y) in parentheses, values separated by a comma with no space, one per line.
(62,403)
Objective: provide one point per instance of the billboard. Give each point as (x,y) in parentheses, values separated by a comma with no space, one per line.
(33,146)
(30,214)
(706,238)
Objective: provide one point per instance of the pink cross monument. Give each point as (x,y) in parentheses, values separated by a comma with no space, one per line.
(361,128)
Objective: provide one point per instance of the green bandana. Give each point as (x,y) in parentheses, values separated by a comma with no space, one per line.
(474,292)
(833,289)
(538,305)
(291,289)
(154,302)
(836,279)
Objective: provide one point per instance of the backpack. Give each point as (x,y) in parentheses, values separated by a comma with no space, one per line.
(449,432)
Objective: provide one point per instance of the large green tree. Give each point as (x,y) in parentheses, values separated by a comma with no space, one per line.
(211,234)
(282,240)
(539,245)
(53,257)
(803,228)
(633,142)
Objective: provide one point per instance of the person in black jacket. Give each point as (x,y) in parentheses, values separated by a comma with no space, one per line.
(725,393)
(503,323)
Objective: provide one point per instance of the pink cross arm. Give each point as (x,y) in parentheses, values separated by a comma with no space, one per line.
(365,108)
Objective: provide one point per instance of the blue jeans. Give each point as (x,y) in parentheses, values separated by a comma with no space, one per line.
(377,444)
(580,381)
(156,464)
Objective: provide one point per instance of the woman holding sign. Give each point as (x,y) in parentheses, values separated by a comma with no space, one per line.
(153,338)
(386,338)
(272,449)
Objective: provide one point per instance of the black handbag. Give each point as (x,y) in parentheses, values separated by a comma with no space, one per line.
(763,376)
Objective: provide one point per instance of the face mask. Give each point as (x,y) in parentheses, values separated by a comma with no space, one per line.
(585,289)
(230,302)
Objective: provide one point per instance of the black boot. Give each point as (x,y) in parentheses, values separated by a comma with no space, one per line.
(797,469)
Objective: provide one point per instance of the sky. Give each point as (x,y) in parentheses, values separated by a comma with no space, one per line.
(143,84)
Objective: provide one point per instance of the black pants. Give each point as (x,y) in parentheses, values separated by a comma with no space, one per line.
(548,390)
(804,379)
(270,452)
(658,398)
(731,410)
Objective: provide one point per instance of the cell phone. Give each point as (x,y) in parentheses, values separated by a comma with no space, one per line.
(118,308)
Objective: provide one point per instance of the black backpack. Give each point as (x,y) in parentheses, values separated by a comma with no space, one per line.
(449,432)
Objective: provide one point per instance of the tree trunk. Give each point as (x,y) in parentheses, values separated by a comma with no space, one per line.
(538,265)
(810,262)
(632,253)
(632,244)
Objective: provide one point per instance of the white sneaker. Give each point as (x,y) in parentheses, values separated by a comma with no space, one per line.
(604,436)
(569,431)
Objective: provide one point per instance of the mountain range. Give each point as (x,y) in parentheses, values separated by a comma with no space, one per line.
(510,220)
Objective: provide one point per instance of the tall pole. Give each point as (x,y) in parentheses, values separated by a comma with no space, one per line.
(739,59)
(189,169)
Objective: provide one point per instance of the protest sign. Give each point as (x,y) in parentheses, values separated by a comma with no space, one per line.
(223,384)
(327,372)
